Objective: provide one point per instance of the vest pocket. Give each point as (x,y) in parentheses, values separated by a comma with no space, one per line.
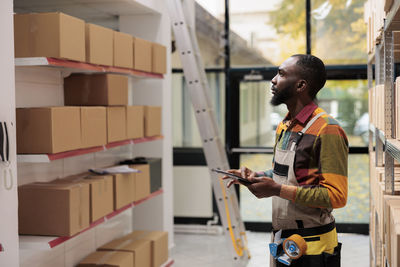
(281,169)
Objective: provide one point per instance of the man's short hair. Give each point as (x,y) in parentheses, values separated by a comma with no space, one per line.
(312,69)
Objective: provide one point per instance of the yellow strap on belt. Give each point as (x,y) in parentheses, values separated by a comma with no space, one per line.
(236,246)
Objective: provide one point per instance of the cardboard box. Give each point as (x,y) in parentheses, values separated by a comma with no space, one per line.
(99,45)
(96,90)
(48,129)
(101,192)
(116,124)
(152,121)
(49,35)
(159,244)
(155,170)
(53,209)
(124,192)
(142,181)
(141,250)
(93,126)
(123,52)
(394,246)
(108,258)
(159,58)
(142,54)
(135,122)
(389,202)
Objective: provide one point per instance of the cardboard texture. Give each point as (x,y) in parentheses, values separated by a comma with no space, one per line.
(49,35)
(108,258)
(124,192)
(394,245)
(53,209)
(96,90)
(155,170)
(48,129)
(116,124)
(389,202)
(142,181)
(141,250)
(159,58)
(159,244)
(135,122)
(142,54)
(152,121)
(93,126)
(123,52)
(101,192)
(99,45)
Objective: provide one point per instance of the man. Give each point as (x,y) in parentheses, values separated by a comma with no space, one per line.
(309,175)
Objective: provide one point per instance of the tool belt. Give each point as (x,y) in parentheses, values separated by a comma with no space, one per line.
(323,250)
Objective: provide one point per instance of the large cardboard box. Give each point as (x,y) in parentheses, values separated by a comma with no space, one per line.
(141,250)
(108,258)
(116,124)
(159,58)
(48,129)
(53,209)
(159,244)
(99,45)
(135,122)
(142,54)
(93,126)
(142,181)
(96,90)
(123,52)
(152,121)
(390,201)
(101,192)
(49,35)
(124,192)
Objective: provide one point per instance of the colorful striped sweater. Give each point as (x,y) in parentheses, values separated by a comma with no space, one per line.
(321,160)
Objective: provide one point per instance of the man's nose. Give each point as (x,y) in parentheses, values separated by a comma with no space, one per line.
(273,81)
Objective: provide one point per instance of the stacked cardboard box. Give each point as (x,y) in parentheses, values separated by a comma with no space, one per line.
(377,106)
(61,36)
(374,16)
(146,248)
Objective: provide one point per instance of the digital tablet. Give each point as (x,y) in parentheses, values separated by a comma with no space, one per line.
(234,176)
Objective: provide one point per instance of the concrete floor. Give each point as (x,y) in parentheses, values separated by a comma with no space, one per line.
(197,250)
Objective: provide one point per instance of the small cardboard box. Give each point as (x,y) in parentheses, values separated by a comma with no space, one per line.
(108,258)
(135,122)
(116,124)
(49,35)
(93,126)
(99,45)
(48,129)
(155,171)
(159,244)
(152,121)
(141,250)
(142,54)
(101,192)
(159,57)
(123,52)
(124,193)
(53,209)
(142,181)
(96,90)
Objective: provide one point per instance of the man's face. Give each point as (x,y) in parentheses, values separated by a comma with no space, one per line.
(284,83)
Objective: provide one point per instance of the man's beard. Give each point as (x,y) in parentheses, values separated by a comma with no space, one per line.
(281,96)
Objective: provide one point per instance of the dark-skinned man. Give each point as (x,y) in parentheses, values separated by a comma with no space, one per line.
(309,175)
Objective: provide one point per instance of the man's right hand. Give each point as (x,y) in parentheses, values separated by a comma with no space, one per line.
(244,172)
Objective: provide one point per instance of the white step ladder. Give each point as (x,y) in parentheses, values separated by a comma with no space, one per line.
(214,151)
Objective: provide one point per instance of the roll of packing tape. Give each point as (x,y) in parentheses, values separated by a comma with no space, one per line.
(294,246)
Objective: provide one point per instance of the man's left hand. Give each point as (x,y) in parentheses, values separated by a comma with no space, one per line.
(263,187)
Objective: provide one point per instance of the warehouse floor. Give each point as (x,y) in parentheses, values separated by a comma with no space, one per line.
(197,250)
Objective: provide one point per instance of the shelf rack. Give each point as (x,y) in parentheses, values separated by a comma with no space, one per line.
(46,158)
(71,66)
(49,242)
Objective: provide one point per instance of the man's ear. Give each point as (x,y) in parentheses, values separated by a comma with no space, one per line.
(301,85)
